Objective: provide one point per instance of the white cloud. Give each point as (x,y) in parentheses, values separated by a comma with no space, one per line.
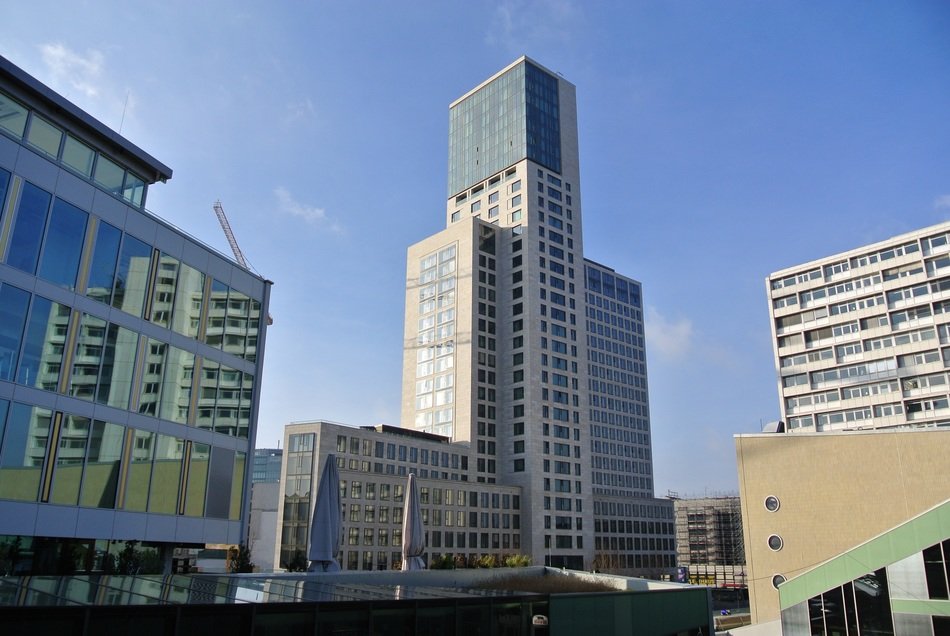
(302,110)
(520,25)
(72,69)
(671,339)
(942,202)
(311,214)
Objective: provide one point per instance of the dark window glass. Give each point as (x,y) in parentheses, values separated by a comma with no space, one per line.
(935,572)
(118,363)
(43,344)
(131,278)
(63,246)
(197,480)
(13,305)
(166,473)
(102,267)
(103,459)
(140,470)
(4,178)
(873,603)
(23,452)
(70,458)
(24,250)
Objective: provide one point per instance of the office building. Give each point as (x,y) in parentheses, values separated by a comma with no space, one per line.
(130,354)
(860,337)
(267,463)
(523,349)
(464,520)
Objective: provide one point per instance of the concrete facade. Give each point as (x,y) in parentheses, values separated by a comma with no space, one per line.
(820,495)
(860,338)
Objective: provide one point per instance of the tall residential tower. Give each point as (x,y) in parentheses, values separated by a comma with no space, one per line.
(520,347)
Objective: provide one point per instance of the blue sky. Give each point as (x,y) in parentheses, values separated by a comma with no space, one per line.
(720,141)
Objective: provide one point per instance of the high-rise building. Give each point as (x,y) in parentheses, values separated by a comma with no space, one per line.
(860,337)
(860,342)
(518,346)
(130,353)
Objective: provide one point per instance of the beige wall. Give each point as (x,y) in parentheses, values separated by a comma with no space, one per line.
(836,491)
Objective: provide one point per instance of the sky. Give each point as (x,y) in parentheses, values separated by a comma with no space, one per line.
(719,142)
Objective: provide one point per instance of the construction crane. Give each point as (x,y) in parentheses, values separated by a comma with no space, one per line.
(238,254)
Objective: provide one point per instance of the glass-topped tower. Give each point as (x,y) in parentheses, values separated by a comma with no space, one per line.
(508,350)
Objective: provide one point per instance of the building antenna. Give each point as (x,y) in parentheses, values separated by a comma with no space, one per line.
(124,109)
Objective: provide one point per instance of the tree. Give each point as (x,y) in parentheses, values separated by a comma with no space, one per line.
(297,564)
(239,559)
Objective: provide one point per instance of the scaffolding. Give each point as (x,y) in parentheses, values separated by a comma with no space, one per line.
(709,540)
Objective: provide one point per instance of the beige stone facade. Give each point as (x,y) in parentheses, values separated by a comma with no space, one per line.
(832,491)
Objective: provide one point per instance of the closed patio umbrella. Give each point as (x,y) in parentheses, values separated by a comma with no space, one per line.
(326,527)
(413,534)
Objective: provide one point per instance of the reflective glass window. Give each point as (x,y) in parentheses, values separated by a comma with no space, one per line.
(236,327)
(217,314)
(12,116)
(90,344)
(13,307)
(176,385)
(103,363)
(44,136)
(70,459)
(163,293)
(219,483)
(78,156)
(166,474)
(197,480)
(253,323)
(153,371)
(42,357)
(23,452)
(247,396)
(24,249)
(63,245)
(118,364)
(186,314)
(228,401)
(102,266)
(140,470)
(134,190)
(131,277)
(103,461)
(109,175)
(207,394)
(4,175)
(237,485)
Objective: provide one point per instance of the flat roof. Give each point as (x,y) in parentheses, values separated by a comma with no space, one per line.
(36,92)
(204,589)
(864,249)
